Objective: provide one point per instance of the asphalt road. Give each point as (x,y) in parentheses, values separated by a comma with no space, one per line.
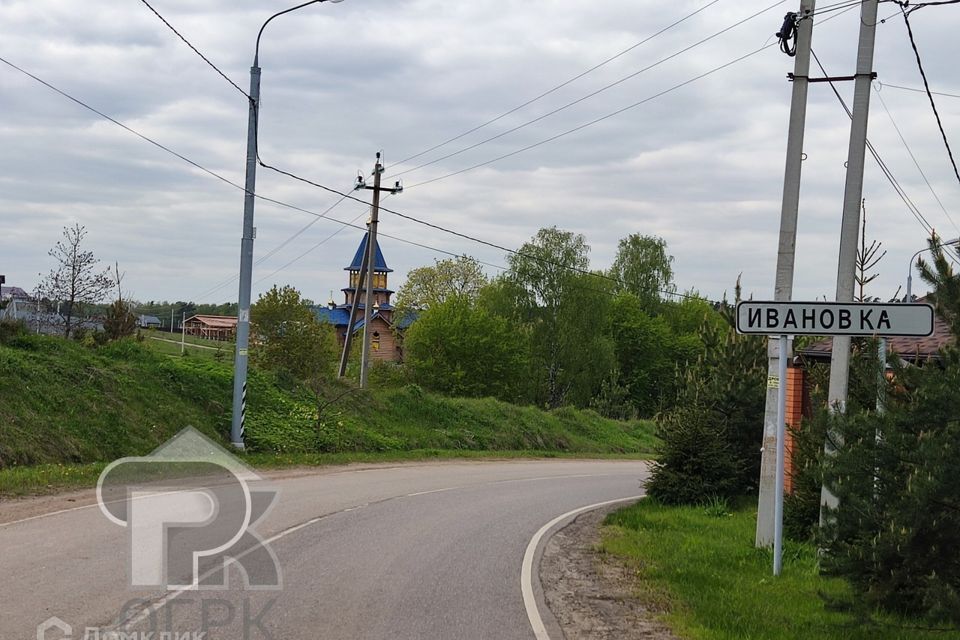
(414,551)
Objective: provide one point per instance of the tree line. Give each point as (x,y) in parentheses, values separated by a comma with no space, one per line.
(550,331)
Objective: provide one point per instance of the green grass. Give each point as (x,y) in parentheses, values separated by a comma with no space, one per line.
(65,409)
(161,345)
(701,569)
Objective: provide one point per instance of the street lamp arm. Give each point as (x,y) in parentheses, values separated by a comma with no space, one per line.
(913,260)
(256,53)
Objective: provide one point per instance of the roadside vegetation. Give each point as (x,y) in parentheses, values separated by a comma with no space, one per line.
(66,408)
(697,567)
(883,564)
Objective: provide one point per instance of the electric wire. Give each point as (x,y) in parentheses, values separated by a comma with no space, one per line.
(608,116)
(884,85)
(272,252)
(345,196)
(876,156)
(210,172)
(590,123)
(195,50)
(559,86)
(916,162)
(590,95)
(323,187)
(923,75)
(462,235)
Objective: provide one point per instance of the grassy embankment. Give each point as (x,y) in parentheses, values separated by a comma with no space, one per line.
(699,567)
(66,410)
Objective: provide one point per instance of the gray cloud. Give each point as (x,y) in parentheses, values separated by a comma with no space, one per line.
(701,166)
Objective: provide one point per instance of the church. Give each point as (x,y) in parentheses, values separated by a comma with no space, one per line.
(386,329)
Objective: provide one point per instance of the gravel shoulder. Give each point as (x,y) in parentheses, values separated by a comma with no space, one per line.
(593,595)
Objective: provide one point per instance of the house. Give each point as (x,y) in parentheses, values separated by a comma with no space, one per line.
(211,327)
(45,322)
(14,293)
(386,328)
(149,322)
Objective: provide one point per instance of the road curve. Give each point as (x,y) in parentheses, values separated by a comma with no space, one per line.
(424,551)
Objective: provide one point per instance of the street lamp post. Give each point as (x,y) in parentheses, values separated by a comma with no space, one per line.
(246,242)
(949,243)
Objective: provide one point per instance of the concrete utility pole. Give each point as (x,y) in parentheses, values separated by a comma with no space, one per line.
(246,242)
(365,280)
(246,266)
(850,224)
(783,287)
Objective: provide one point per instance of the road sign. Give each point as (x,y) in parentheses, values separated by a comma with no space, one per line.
(834,319)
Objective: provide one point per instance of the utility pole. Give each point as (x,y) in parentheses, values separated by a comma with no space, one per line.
(246,264)
(365,279)
(354,306)
(850,224)
(183,333)
(783,287)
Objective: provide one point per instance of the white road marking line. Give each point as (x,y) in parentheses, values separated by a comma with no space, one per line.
(490,482)
(423,493)
(526,569)
(81,507)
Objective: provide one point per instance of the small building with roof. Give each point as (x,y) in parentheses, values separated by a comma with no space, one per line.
(149,322)
(211,327)
(386,327)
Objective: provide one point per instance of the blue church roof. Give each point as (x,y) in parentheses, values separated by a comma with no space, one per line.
(379,263)
(337,316)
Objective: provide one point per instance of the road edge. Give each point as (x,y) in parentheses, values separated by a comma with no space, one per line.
(531,602)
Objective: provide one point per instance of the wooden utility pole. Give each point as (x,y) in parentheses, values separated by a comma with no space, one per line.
(365,279)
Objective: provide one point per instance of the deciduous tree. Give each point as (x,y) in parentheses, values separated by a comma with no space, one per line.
(458,348)
(429,286)
(644,268)
(76,280)
(288,336)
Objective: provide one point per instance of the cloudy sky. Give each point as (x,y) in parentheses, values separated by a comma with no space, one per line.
(701,166)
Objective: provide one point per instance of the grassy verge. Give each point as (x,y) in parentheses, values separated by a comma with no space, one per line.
(702,569)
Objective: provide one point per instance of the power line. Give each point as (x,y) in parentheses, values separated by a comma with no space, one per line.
(876,156)
(195,50)
(213,173)
(462,235)
(273,251)
(121,125)
(591,94)
(559,86)
(926,85)
(615,113)
(916,163)
(884,85)
(839,6)
(323,187)
(592,122)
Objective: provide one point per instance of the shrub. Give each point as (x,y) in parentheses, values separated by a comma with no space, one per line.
(710,439)
(896,532)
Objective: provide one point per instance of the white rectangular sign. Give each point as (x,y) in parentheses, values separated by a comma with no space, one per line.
(834,319)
